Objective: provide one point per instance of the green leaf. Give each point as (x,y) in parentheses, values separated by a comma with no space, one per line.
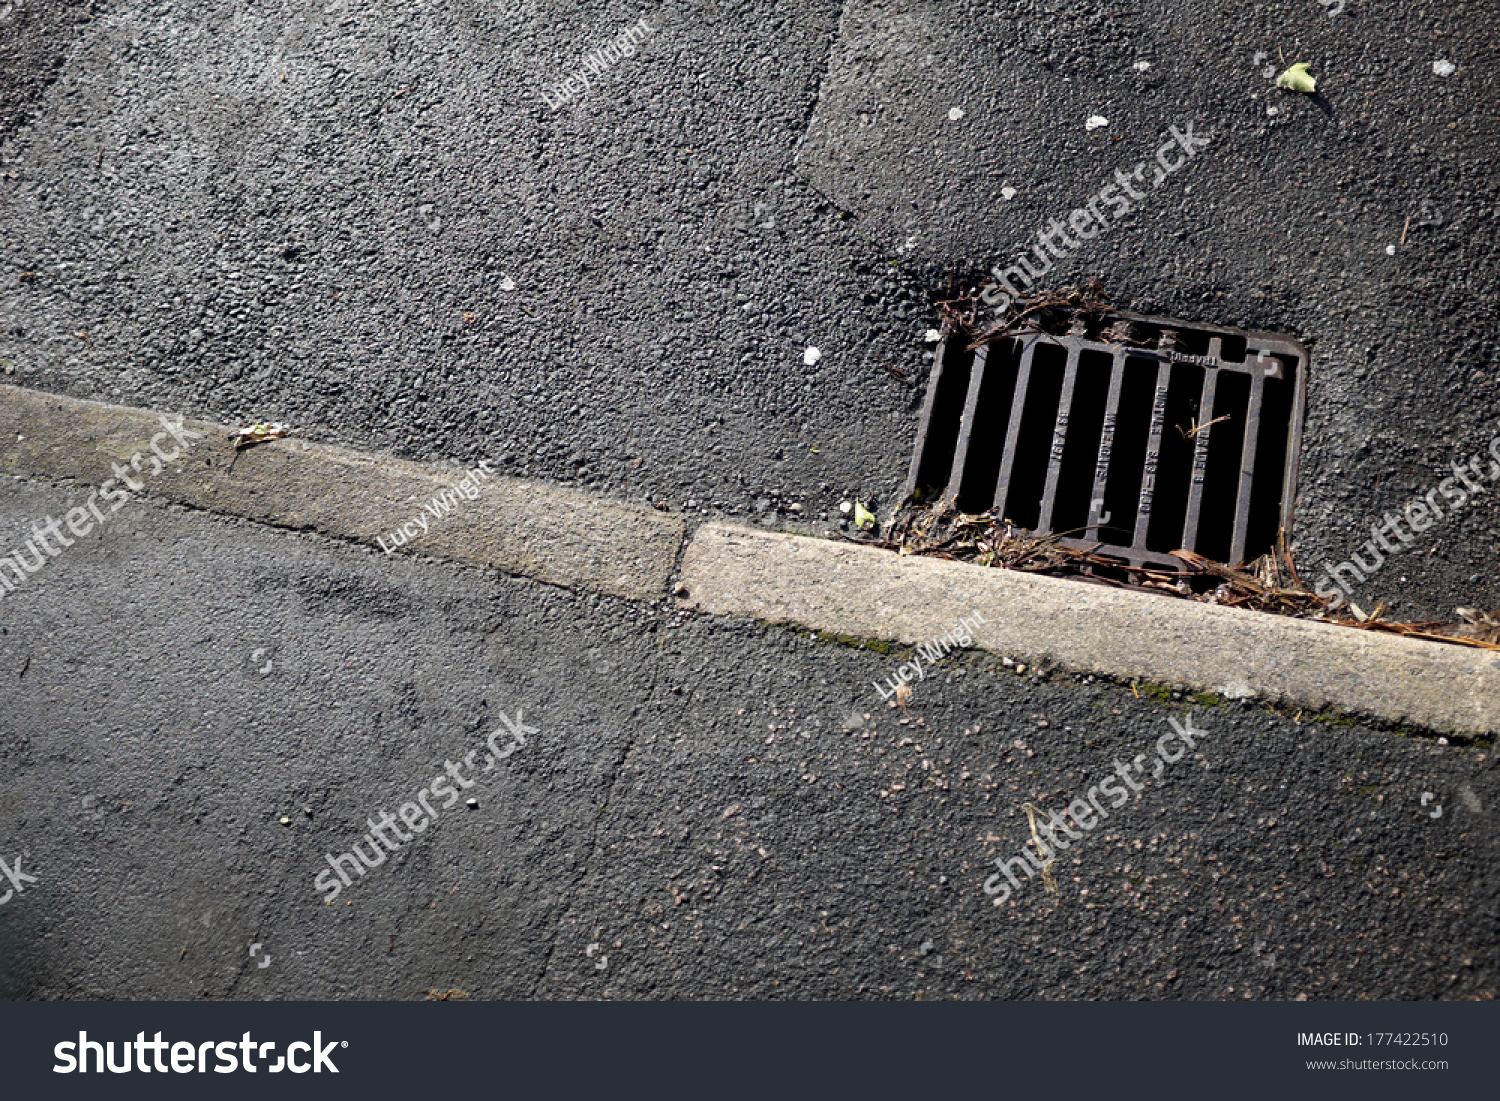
(1298,79)
(863,517)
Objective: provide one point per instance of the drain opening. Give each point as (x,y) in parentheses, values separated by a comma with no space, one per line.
(1134,435)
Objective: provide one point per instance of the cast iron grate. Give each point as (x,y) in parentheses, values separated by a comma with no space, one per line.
(1134,435)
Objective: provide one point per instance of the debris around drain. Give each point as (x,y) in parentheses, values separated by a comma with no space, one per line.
(1141,433)
(258,433)
(1268,584)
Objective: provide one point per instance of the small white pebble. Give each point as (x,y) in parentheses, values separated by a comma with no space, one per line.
(1390,250)
(1444,68)
(1141,66)
(932,336)
(1095,121)
(811,356)
(845,506)
(955,113)
(1442,741)
(507,284)
(1007,193)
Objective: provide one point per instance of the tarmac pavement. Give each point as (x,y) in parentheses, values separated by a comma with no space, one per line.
(363,220)
(200,711)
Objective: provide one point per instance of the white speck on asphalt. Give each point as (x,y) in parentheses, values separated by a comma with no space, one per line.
(811,356)
(1095,121)
(1444,68)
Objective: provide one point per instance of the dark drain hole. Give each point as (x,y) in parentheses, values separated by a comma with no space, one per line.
(1270,464)
(981,468)
(940,421)
(1028,477)
(1174,469)
(1143,434)
(1221,476)
(1075,482)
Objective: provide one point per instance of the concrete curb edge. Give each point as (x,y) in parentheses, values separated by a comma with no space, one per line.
(869,593)
(550,533)
(564,537)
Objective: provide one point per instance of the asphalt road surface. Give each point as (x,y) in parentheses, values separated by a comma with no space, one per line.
(704,807)
(362,219)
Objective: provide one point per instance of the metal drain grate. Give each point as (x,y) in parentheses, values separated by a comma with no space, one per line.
(1143,434)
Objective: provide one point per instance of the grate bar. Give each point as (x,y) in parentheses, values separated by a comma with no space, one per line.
(1059,435)
(1200,451)
(1013,429)
(1247,470)
(1106,441)
(983,437)
(966,424)
(1153,453)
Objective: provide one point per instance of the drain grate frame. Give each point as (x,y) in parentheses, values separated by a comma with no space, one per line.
(1120,433)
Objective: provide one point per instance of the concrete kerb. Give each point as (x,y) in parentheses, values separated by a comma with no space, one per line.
(565,537)
(863,592)
(545,532)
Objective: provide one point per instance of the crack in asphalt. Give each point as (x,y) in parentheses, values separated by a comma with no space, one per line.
(821,78)
(617,774)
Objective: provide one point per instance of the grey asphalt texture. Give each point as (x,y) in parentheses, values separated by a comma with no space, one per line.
(283,211)
(362,220)
(704,800)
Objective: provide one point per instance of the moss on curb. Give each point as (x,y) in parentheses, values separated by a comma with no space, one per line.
(852,642)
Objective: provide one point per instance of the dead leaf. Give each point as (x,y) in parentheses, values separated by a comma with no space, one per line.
(258,433)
